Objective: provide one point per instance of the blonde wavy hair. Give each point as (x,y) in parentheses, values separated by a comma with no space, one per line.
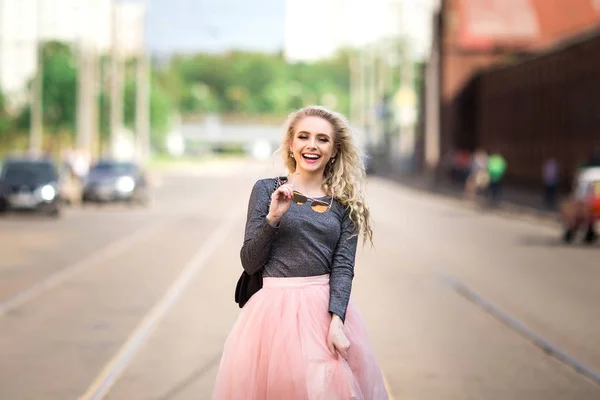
(345,178)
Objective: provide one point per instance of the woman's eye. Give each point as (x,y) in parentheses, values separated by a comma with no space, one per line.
(302,137)
(324,140)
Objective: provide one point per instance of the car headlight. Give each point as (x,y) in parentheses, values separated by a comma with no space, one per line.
(125,184)
(47,193)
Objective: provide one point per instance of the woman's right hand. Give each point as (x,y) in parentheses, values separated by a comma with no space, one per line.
(281,200)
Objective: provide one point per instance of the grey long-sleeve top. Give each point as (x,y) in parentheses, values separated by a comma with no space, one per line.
(305,243)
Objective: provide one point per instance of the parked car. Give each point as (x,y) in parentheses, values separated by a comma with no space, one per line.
(113,181)
(29,184)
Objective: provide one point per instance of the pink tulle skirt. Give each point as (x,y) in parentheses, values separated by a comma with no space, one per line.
(277,348)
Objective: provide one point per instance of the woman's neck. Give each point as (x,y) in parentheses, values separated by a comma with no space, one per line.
(309,184)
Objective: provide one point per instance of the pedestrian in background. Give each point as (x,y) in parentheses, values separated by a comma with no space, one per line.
(496,169)
(550,175)
(301,336)
(478,178)
(461,166)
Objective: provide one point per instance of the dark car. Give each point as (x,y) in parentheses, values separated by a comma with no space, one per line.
(111,181)
(29,184)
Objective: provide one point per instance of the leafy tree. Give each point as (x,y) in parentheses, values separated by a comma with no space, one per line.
(59,100)
(238,82)
(161,107)
(163,89)
(59,92)
(5,120)
(256,83)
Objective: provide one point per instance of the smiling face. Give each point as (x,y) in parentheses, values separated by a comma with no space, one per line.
(312,144)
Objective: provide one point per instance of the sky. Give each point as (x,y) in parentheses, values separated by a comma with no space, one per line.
(305,29)
(215,25)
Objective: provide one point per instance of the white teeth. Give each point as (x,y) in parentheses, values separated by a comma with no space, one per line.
(311,156)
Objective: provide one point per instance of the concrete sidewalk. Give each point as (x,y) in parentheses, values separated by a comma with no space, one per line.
(515,202)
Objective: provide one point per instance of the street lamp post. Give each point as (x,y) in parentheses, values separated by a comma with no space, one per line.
(143,93)
(116,81)
(86,43)
(142,117)
(36,127)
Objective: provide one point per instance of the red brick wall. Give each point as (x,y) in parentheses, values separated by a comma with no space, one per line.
(548,106)
(469,116)
(457,66)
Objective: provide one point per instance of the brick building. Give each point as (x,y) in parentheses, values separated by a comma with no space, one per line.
(545,106)
(472,36)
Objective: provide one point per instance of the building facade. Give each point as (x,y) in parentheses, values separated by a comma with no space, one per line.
(25,23)
(473,35)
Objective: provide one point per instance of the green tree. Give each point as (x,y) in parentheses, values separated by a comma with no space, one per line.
(161,107)
(163,90)
(59,96)
(256,83)
(7,125)
(5,120)
(59,100)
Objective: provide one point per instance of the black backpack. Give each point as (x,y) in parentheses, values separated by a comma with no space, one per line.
(248,284)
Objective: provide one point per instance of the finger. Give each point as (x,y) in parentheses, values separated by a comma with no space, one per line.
(343,352)
(276,192)
(281,193)
(285,194)
(331,348)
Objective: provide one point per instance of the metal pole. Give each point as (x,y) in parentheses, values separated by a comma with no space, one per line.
(357,97)
(116,83)
(382,88)
(432,109)
(142,103)
(363,101)
(354,106)
(372,96)
(84,103)
(95,88)
(142,118)
(36,128)
(382,72)
(87,87)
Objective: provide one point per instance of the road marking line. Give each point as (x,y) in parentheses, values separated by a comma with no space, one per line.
(115,367)
(511,322)
(52,281)
(388,389)
(516,325)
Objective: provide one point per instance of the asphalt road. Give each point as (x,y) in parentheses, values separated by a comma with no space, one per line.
(135,303)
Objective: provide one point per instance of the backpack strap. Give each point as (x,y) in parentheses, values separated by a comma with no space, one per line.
(280,180)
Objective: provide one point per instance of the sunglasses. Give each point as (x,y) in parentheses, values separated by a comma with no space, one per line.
(317,205)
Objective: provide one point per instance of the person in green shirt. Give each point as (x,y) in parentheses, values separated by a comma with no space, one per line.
(496,169)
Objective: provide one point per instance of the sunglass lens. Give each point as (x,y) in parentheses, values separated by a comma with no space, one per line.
(299,198)
(319,207)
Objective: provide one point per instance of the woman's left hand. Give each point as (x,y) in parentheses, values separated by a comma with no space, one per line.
(337,342)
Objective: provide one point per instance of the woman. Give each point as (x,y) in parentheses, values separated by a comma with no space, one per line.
(300,336)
